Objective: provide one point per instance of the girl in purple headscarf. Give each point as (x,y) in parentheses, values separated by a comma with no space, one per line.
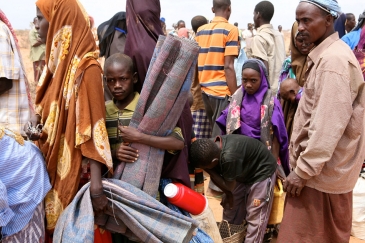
(255,112)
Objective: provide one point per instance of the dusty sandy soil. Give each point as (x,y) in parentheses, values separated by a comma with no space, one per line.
(217,210)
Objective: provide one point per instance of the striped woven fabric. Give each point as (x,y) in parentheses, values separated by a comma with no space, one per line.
(33,231)
(161,102)
(130,211)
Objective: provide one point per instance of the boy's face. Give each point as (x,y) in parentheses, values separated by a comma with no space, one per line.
(120,80)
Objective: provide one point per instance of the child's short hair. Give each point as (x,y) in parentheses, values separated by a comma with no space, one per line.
(221,4)
(266,9)
(197,22)
(290,83)
(119,58)
(202,152)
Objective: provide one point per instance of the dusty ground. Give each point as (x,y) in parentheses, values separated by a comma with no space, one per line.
(22,36)
(217,210)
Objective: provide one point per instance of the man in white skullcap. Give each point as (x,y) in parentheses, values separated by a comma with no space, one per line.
(327,143)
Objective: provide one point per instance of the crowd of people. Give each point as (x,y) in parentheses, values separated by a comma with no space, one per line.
(227,101)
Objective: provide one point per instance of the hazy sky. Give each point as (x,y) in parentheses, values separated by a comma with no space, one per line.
(22,12)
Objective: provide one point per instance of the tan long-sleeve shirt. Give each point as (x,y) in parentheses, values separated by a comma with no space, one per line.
(328,142)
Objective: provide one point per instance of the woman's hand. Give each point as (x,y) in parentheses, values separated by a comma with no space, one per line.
(126,153)
(30,127)
(130,134)
(98,198)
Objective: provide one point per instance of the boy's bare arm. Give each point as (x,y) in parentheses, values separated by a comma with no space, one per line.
(225,186)
(132,135)
(129,154)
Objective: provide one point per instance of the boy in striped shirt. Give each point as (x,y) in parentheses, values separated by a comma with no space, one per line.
(218,43)
(219,47)
(120,78)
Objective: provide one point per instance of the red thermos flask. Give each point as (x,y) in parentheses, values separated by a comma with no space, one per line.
(185,198)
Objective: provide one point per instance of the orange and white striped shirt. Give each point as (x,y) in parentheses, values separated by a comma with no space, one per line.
(216,40)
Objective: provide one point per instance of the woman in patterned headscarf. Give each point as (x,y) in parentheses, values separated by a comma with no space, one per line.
(70,105)
(294,67)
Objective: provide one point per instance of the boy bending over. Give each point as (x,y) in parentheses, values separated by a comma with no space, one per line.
(244,169)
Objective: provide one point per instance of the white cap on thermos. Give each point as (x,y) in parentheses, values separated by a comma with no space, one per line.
(170,190)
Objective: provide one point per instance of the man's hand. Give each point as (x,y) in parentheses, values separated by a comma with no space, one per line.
(227,200)
(126,153)
(293,184)
(130,134)
(230,73)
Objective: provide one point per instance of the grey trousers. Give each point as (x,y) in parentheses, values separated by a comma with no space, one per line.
(253,204)
(213,108)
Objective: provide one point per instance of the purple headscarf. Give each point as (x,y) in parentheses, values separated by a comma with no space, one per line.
(250,115)
(251,105)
